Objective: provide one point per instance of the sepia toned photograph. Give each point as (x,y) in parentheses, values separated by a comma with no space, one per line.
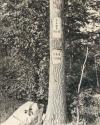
(49,62)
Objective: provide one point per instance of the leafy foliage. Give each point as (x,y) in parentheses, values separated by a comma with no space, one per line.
(24,48)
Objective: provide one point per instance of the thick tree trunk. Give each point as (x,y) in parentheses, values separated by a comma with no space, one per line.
(56,110)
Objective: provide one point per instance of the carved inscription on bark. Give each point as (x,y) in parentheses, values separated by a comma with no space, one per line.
(56,56)
(57,27)
(58,4)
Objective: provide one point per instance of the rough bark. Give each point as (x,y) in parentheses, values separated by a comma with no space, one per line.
(56,110)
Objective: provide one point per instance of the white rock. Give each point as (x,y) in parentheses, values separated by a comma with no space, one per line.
(24,115)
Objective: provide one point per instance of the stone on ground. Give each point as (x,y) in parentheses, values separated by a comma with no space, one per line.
(27,114)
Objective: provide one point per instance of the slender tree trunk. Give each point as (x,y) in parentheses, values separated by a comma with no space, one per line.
(96,68)
(56,110)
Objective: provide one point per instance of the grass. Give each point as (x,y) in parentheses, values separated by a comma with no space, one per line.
(7,107)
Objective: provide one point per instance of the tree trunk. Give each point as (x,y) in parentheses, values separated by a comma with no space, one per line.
(56,110)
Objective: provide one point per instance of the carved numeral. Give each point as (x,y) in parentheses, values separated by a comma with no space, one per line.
(56,56)
(57,27)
